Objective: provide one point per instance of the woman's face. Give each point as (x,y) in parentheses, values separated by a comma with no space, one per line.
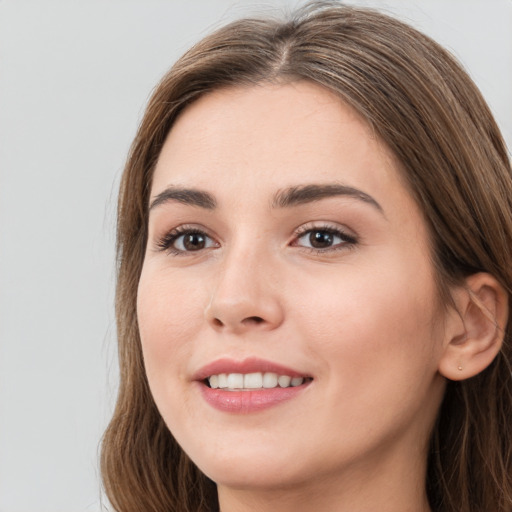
(287,261)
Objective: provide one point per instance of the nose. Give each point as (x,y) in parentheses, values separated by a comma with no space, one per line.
(245,296)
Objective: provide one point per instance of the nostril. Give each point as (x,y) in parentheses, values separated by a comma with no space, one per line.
(234,323)
(253,320)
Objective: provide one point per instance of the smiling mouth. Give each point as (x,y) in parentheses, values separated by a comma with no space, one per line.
(253,381)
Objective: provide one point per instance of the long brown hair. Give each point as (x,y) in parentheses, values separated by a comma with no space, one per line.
(422,104)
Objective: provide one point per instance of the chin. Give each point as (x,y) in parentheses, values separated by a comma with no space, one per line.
(250,468)
(252,475)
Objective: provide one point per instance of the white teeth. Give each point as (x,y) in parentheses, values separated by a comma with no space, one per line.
(253,381)
(214,381)
(297,381)
(235,381)
(270,380)
(284,381)
(223,380)
(256,380)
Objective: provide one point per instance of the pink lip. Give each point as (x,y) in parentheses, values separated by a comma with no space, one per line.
(245,402)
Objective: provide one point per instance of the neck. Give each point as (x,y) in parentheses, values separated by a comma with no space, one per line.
(362,490)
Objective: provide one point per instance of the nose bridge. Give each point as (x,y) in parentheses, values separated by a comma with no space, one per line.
(244,296)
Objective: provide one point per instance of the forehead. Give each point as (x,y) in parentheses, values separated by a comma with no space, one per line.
(271,136)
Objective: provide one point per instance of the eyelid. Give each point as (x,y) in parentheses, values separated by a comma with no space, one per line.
(165,242)
(348,237)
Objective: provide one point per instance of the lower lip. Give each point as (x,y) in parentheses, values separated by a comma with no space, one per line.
(245,402)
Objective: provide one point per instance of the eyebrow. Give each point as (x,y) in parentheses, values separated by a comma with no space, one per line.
(286,198)
(189,196)
(302,194)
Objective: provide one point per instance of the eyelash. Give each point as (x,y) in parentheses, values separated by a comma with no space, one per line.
(348,241)
(166,243)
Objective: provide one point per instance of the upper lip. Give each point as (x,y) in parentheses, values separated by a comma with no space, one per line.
(250,365)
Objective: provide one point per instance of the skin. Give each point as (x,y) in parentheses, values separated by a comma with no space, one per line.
(362,317)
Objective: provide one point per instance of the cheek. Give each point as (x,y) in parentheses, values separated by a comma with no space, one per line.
(168,316)
(375,319)
(375,334)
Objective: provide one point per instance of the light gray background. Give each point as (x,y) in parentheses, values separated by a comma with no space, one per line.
(74,78)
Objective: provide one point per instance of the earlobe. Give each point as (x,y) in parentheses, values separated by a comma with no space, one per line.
(475,337)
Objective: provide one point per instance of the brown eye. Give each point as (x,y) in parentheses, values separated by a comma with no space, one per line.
(183,241)
(321,239)
(325,239)
(192,241)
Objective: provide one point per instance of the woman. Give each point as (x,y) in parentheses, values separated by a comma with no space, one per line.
(315,229)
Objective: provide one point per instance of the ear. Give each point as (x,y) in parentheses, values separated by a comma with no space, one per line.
(476,329)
